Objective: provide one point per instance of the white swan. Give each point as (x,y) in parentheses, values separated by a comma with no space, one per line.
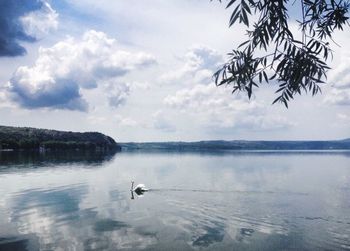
(139,189)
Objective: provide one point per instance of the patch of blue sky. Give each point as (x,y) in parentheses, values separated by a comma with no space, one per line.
(81,19)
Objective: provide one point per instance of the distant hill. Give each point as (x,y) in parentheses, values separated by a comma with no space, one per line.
(239,145)
(27,138)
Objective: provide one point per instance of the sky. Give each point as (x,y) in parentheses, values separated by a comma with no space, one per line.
(142,71)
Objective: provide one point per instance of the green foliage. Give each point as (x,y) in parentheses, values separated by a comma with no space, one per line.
(297,65)
(25,138)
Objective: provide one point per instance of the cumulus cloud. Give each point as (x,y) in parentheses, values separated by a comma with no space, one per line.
(118,94)
(216,108)
(197,65)
(40,22)
(63,70)
(21,21)
(339,78)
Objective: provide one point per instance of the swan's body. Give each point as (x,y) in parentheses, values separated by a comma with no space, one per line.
(139,189)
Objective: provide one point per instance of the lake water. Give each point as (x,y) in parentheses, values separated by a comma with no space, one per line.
(197,201)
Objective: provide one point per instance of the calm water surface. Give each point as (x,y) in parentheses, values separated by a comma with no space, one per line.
(197,201)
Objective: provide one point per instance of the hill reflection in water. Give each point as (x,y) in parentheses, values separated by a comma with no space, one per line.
(246,201)
(37,159)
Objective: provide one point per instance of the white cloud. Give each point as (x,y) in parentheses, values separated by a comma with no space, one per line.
(197,65)
(339,78)
(216,108)
(41,21)
(202,57)
(63,70)
(117,94)
(186,71)
(4,99)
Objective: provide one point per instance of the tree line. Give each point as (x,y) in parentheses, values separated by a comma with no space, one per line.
(42,139)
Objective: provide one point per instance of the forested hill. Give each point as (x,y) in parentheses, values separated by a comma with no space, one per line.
(26,138)
(239,145)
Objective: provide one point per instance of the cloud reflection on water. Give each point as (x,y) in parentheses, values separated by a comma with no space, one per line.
(199,201)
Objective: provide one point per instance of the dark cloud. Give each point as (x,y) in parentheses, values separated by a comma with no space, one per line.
(61,72)
(11,28)
(63,94)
